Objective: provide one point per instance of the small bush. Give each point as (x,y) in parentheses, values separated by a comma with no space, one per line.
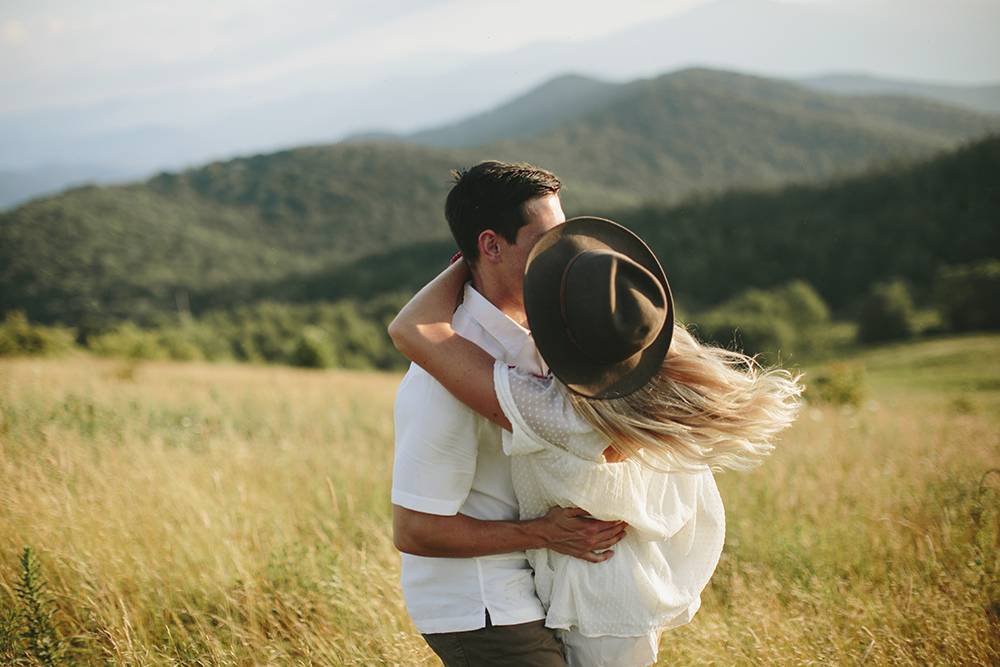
(968,296)
(178,346)
(128,341)
(753,334)
(838,384)
(802,305)
(314,349)
(886,314)
(188,340)
(19,338)
(775,324)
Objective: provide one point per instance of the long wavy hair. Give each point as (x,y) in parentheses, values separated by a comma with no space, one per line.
(707,406)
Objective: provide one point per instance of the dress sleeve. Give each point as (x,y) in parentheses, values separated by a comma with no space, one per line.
(543,417)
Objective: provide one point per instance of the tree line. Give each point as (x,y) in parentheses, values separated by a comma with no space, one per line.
(787,323)
(905,249)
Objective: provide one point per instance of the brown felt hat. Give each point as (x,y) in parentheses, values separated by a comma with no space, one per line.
(599,307)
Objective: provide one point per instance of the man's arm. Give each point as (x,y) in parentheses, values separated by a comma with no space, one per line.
(567,531)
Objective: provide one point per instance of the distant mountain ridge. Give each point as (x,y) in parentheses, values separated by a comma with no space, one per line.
(985,98)
(706,131)
(562,100)
(541,111)
(17,187)
(570,98)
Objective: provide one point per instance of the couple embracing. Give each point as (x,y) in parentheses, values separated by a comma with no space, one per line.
(552,493)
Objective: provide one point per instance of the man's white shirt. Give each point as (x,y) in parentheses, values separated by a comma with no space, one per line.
(448,460)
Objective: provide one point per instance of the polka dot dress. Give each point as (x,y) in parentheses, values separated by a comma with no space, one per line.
(676,520)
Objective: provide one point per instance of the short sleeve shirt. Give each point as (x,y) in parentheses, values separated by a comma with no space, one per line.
(676,520)
(449,459)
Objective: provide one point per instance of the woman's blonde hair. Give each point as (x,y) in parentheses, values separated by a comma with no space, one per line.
(706,406)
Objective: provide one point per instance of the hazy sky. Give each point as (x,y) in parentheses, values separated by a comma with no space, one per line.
(76,52)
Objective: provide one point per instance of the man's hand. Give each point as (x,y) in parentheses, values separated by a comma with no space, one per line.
(572,532)
(568,531)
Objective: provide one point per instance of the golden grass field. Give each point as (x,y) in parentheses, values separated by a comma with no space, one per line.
(198,514)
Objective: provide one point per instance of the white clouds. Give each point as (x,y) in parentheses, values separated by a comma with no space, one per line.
(56,52)
(480,28)
(65,52)
(72,55)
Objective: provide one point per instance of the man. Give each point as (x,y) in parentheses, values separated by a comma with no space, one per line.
(466,581)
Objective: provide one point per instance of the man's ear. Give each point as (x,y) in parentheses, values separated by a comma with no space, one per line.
(489,246)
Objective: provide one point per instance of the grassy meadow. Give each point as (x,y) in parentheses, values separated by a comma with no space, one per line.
(200,514)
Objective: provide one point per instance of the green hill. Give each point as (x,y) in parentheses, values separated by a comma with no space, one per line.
(331,203)
(904,221)
(127,252)
(341,220)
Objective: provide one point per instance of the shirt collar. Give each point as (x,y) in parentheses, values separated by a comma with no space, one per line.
(511,335)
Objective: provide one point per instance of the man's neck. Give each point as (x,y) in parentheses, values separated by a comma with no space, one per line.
(507,303)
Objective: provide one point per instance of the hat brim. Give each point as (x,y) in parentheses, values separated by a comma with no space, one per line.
(542,281)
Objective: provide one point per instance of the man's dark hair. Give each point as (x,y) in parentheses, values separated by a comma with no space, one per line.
(492,195)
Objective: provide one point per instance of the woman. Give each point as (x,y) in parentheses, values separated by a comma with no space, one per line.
(629,424)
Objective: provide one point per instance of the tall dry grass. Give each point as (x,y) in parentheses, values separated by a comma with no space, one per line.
(205,515)
(189,514)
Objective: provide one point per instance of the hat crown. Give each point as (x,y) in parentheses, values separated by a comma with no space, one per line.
(613,307)
(599,307)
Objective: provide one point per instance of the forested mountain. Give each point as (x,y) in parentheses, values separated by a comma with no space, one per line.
(316,222)
(906,221)
(96,253)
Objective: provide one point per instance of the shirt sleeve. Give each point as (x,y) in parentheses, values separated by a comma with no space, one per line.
(436,447)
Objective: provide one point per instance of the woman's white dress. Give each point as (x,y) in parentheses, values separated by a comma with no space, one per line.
(676,520)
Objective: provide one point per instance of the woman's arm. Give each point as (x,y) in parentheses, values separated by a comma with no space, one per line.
(422,331)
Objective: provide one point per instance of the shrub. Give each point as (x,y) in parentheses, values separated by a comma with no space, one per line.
(19,338)
(179,346)
(188,340)
(319,335)
(968,296)
(360,342)
(776,323)
(752,333)
(886,314)
(127,341)
(838,384)
(314,349)
(803,306)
